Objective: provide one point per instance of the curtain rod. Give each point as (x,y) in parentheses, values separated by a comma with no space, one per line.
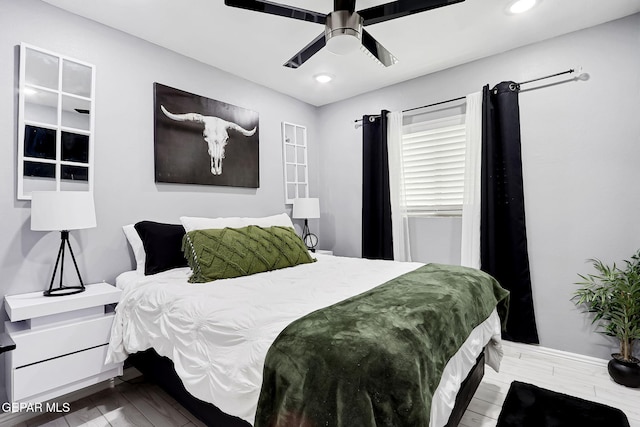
(569,71)
(373,117)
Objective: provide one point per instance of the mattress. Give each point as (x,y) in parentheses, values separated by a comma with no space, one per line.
(217,334)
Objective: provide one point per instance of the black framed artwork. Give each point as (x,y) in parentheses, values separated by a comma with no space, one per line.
(198,140)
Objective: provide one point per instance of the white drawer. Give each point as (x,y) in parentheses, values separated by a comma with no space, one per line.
(35,345)
(41,377)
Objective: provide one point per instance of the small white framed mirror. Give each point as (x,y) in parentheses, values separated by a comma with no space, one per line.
(294,153)
(56,113)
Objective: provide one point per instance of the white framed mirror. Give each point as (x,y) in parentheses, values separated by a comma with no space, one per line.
(294,153)
(56,113)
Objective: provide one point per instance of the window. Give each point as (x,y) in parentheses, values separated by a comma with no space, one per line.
(433,163)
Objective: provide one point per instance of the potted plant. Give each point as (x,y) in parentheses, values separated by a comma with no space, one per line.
(613,296)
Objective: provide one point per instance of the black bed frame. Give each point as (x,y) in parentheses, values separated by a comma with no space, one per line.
(160,370)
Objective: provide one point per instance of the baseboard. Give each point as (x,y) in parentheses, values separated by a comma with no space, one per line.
(533,348)
(12,418)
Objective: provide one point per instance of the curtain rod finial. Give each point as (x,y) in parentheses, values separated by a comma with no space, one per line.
(583,76)
(580,74)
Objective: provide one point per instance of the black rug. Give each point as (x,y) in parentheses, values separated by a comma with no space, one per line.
(529,406)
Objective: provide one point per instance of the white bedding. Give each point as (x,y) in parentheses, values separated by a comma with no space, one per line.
(217,334)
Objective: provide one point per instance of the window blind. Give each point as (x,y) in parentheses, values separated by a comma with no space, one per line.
(433,162)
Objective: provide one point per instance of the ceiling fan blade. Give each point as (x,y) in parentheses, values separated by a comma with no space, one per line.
(376,50)
(400,8)
(307,52)
(278,9)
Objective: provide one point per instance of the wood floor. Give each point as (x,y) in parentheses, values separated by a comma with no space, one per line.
(134,403)
(140,404)
(585,378)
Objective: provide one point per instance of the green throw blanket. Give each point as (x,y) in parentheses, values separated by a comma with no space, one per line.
(375,359)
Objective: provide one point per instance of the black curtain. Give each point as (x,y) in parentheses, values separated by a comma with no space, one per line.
(377,238)
(503,235)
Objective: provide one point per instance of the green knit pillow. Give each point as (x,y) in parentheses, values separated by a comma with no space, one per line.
(232,252)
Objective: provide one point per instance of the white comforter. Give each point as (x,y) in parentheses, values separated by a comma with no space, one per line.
(217,334)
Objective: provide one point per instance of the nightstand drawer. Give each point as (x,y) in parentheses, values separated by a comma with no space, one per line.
(41,377)
(34,345)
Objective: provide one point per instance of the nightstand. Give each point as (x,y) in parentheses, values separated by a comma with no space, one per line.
(61,342)
(324,252)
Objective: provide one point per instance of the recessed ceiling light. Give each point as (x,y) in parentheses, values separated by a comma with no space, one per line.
(520,6)
(323,78)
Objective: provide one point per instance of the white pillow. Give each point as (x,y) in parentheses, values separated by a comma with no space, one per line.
(195,223)
(136,245)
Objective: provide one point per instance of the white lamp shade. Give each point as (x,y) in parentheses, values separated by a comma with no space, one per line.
(62,210)
(306,208)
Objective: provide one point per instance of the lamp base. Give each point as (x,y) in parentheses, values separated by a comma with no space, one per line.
(63,291)
(310,240)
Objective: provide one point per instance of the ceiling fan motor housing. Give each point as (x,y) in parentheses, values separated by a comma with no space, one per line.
(343,31)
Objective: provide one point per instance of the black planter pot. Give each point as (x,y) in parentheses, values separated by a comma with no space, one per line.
(625,373)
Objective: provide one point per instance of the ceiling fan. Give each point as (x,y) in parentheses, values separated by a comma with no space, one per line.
(343,30)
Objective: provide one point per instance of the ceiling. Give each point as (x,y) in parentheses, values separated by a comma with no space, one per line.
(255,45)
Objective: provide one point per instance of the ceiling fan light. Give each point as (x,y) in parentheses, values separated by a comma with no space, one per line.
(342,44)
(521,6)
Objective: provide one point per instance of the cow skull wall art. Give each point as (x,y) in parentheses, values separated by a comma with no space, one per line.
(215,134)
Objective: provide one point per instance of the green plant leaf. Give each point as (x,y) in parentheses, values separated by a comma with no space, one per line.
(612,298)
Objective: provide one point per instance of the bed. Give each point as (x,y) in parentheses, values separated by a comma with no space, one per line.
(219,339)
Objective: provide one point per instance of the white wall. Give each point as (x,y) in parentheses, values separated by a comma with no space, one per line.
(581,146)
(125,190)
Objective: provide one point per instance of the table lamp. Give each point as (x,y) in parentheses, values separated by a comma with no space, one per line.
(62,211)
(307,208)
